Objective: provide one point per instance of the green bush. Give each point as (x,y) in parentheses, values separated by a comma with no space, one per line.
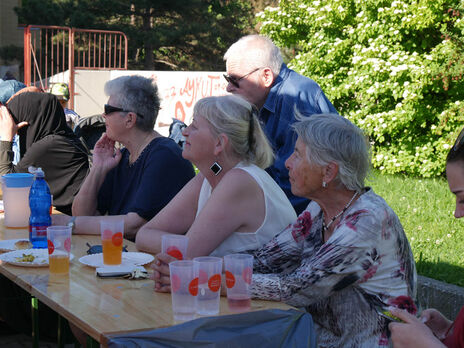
(392,67)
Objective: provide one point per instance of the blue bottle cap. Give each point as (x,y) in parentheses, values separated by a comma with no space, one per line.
(18,179)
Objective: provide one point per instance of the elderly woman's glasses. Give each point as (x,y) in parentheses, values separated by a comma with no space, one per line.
(110,109)
(459,141)
(235,80)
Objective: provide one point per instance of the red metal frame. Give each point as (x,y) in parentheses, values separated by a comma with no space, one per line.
(50,50)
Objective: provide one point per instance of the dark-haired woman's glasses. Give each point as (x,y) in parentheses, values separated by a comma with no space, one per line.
(459,141)
(235,80)
(110,109)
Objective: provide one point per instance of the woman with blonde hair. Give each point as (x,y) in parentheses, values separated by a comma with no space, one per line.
(232,205)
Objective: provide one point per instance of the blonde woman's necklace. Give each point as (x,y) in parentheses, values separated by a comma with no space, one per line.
(326,227)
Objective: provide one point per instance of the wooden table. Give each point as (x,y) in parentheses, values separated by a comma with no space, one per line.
(100,306)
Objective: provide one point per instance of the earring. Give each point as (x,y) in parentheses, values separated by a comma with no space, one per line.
(324,184)
(216,168)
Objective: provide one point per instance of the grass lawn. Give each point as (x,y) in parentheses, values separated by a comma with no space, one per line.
(426,210)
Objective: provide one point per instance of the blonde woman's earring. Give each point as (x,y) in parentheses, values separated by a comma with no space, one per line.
(216,168)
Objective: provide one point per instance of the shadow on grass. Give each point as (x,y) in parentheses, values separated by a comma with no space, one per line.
(442,271)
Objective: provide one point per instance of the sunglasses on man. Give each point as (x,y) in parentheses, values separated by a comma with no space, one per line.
(110,109)
(234,80)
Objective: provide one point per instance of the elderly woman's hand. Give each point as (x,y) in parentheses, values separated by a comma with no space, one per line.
(105,155)
(161,272)
(412,333)
(8,127)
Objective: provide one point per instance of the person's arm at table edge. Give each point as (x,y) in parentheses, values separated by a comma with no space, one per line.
(6,157)
(91,224)
(85,202)
(176,217)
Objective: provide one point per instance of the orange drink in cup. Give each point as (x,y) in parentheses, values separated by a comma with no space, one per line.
(59,248)
(112,233)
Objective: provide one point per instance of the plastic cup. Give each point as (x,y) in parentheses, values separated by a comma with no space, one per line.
(59,248)
(174,245)
(112,233)
(184,289)
(208,270)
(239,272)
(15,189)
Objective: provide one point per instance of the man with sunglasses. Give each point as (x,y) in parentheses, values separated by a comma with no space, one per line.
(255,70)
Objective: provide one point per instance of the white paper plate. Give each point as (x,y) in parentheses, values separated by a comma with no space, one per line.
(9,244)
(41,257)
(128,259)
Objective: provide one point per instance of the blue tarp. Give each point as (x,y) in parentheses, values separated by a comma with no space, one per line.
(267,328)
(8,88)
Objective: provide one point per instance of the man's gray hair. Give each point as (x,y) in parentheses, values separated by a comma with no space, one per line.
(257,51)
(138,94)
(333,138)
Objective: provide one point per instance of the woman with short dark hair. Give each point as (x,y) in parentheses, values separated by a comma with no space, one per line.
(134,183)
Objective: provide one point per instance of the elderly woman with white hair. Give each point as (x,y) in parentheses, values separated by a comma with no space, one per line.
(347,252)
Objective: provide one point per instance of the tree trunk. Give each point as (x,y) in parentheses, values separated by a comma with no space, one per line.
(149,61)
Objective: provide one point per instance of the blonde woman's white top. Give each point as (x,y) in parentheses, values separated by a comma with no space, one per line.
(279,213)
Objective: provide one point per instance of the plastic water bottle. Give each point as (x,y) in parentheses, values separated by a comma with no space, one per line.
(40,202)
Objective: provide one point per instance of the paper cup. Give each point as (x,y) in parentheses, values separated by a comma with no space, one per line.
(59,248)
(184,289)
(174,245)
(112,234)
(238,272)
(208,270)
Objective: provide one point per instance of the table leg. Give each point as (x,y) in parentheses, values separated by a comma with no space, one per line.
(61,329)
(91,343)
(35,321)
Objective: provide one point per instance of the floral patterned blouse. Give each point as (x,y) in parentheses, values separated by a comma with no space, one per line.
(366,262)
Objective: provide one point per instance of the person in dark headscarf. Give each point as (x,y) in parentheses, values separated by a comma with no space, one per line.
(45,141)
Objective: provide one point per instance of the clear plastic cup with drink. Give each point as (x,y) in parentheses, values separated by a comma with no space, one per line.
(174,245)
(208,270)
(112,232)
(184,289)
(238,271)
(59,248)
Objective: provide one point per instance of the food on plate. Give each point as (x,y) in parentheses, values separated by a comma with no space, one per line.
(25,258)
(23,244)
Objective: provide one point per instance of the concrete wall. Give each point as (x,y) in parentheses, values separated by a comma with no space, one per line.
(89,95)
(447,298)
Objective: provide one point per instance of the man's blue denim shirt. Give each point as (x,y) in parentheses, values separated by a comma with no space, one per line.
(290,92)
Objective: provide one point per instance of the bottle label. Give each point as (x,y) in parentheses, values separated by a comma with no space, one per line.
(38,231)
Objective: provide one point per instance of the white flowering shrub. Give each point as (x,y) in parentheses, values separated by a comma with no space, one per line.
(392,67)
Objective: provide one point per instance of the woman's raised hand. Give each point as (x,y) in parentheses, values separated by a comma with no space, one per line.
(105,155)
(8,127)
(161,272)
